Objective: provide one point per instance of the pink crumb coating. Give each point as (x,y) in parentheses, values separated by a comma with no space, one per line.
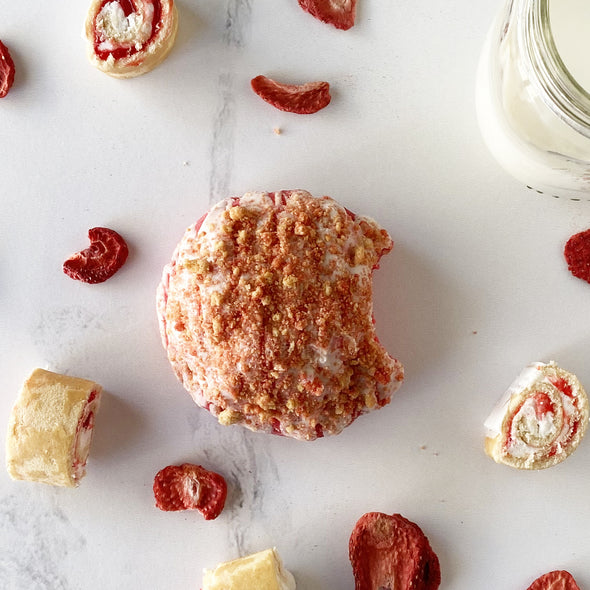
(266,314)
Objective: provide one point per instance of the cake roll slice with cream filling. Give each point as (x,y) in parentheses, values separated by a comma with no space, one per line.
(50,429)
(127,38)
(540,420)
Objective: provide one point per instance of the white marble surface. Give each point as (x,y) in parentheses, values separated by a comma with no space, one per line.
(475,289)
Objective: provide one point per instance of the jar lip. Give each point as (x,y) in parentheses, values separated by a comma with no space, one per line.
(557,87)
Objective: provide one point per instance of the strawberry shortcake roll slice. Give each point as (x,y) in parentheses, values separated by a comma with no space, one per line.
(50,429)
(540,420)
(263,570)
(266,314)
(127,38)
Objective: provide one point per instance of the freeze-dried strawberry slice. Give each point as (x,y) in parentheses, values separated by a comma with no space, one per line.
(190,487)
(556,580)
(6,70)
(302,99)
(392,552)
(101,260)
(340,13)
(577,255)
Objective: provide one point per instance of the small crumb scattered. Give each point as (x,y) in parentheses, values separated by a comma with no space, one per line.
(422,447)
(185,163)
(277,130)
(474,332)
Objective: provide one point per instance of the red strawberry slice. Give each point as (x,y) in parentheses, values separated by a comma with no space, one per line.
(6,70)
(190,487)
(577,255)
(101,260)
(302,99)
(340,13)
(392,552)
(556,580)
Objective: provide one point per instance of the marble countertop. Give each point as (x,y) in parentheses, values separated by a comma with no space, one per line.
(475,289)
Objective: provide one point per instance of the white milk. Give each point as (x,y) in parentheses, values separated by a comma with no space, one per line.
(528,136)
(570,25)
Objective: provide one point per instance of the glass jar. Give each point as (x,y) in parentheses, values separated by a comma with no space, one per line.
(533,113)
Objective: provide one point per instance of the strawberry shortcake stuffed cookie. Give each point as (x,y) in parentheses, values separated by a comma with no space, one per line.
(266,314)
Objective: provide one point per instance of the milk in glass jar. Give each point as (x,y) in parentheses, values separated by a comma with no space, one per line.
(533,94)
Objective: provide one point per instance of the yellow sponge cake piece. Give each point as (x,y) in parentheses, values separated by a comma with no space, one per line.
(260,571)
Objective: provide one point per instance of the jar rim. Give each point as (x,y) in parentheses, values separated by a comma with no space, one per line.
(560,91)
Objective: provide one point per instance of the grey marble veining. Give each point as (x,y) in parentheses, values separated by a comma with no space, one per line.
(237,22)
(235,36)
(251,472)
(251,464)
(45,539)
(222,144)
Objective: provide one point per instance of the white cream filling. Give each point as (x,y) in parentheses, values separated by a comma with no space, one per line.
(543,428)
(528,377)
(327,358)
(84,439)
(116,29)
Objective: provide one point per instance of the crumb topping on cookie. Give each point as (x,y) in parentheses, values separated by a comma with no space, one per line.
(266,312)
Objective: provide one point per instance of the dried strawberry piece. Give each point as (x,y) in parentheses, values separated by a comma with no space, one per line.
(392,552)
(577,255)
(302,99)
(556,580)
(101,260)
(340,13)
(190,487)
(6,70)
